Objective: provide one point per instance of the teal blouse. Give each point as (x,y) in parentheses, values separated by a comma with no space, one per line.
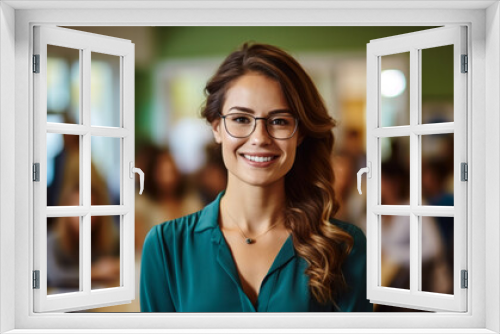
(187,267)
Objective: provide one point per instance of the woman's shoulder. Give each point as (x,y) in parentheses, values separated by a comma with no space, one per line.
(176,227)
(191,224)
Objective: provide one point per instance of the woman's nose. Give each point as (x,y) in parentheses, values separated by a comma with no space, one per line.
(260,135)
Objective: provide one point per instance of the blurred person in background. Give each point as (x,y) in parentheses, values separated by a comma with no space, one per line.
(435,175)
(269,242)
(352,205)
(396,239)
(212,177)
(169,193)
(63,239)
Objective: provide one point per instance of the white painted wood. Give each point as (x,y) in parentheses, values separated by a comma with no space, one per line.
(85,177)
(7,167)
(406,130)
(470,322)
(86,43)
(491,161)
(77,129)
(419,210)
(437,128)
(413,43)
(280,4)
(415,107)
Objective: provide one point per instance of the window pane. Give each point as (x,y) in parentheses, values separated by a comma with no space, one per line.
(437,254)
(395,251)
(105,251)
(437,84)
(437,170)
(63,169)
(395,177)
(105,90)
(63,84)
(395,89)
(105,170)
(63,255)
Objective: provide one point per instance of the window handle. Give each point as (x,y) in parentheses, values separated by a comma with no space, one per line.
(367,170)
(138,171)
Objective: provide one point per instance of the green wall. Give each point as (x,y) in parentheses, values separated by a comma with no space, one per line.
(185,42)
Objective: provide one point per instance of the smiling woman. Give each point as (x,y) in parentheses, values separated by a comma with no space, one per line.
(269,242)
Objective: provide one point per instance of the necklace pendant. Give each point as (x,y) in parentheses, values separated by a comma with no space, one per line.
(249,241)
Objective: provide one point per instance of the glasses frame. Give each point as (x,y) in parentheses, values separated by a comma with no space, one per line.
(255,126)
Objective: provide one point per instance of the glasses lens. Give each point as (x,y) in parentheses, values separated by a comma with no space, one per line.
(239,125)
(281,126)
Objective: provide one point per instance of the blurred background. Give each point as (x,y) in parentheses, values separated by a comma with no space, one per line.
(184,169)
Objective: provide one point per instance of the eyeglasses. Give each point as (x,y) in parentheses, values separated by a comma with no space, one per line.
(279,126)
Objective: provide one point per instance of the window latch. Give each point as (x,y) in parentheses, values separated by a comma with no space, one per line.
(133,170)
(368,171)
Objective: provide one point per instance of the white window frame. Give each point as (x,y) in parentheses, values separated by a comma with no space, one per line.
(16,126)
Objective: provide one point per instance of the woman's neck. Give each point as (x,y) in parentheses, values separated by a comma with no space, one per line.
(254,209)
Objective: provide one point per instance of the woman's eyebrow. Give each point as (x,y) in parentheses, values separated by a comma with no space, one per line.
(250,111)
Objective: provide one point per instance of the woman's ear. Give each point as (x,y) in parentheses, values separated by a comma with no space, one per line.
(300,139)
(216,131)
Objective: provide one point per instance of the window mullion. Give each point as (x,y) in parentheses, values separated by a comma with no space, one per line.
(415,246)
(85,167)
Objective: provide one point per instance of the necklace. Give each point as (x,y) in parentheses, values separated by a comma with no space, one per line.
(248,240)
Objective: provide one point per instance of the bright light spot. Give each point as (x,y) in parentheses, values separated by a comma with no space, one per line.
(393,83)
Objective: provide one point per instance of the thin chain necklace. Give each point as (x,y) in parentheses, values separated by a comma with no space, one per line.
(248,240)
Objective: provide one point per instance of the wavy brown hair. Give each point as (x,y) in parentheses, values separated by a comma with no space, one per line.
(310,197)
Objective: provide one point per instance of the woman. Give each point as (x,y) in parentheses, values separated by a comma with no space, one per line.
(268,243)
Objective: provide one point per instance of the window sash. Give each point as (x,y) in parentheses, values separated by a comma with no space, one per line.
(413,43)
(87,43)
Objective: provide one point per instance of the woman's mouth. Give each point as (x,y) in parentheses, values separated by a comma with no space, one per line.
(260,160)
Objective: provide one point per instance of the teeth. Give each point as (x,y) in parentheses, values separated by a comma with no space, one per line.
(258,159)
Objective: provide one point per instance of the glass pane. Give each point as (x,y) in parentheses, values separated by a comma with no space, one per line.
(105,170)
(395,252)
(63,85)
(437,84)
(395,89)
(395,176)
(105,90)
(63,169)
(437,170)
(105,251)
(437,254)
(63,255)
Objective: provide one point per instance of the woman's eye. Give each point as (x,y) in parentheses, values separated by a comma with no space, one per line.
(241,119)
(279,121)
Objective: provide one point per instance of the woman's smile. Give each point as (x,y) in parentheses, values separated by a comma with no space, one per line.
(260,159)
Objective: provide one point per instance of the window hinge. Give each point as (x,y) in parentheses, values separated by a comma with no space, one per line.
(36,172)
(464,172)
(465,64)
(36,279)
(465,279)
(36,63)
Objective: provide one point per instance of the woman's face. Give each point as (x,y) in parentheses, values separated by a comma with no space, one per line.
(256,95)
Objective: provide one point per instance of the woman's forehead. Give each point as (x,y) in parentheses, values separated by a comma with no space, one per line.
(255,93)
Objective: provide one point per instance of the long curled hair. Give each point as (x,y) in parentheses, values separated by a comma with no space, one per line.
(310,197)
